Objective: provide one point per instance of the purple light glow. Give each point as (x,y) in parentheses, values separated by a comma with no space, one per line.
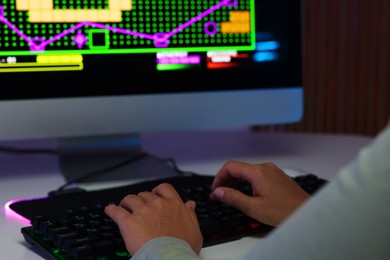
(9,213)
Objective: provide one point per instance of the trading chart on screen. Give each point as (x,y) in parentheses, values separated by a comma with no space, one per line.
(44,35)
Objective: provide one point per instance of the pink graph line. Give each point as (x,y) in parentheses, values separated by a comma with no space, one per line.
(160,39)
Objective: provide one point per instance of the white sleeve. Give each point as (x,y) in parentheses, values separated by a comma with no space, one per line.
(166,248)
(348,219)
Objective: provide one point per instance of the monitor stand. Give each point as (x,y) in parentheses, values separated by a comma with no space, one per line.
(109,158)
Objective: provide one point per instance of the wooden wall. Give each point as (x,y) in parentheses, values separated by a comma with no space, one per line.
(346,67)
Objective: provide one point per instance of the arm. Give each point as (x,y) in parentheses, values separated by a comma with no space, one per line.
(163,248)
(347,219)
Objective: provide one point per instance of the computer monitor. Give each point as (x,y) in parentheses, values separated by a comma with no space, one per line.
(105,71)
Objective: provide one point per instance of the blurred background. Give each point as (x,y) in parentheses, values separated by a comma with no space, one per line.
(346,71)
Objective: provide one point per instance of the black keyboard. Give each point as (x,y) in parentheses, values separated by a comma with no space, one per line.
(74,226)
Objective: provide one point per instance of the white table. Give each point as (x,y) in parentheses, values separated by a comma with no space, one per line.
(31,176)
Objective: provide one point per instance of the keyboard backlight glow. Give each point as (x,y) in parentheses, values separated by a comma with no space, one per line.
(13,215)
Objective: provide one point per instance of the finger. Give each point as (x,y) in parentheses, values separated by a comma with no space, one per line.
(117,213)
(147,196)
(131,202)
(235,199)
(166,190)
(191,206)
(232,170)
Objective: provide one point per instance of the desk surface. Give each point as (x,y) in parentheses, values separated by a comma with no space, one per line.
(30,176)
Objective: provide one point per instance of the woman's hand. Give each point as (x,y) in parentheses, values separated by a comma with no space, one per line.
(158,213)
(275,194)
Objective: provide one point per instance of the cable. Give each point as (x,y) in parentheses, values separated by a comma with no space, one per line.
(62,188)
(104,170)
(173,164)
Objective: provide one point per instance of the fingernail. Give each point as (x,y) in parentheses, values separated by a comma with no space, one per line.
(219,193)
(192,205)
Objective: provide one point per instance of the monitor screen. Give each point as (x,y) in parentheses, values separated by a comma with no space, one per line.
(112,68)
